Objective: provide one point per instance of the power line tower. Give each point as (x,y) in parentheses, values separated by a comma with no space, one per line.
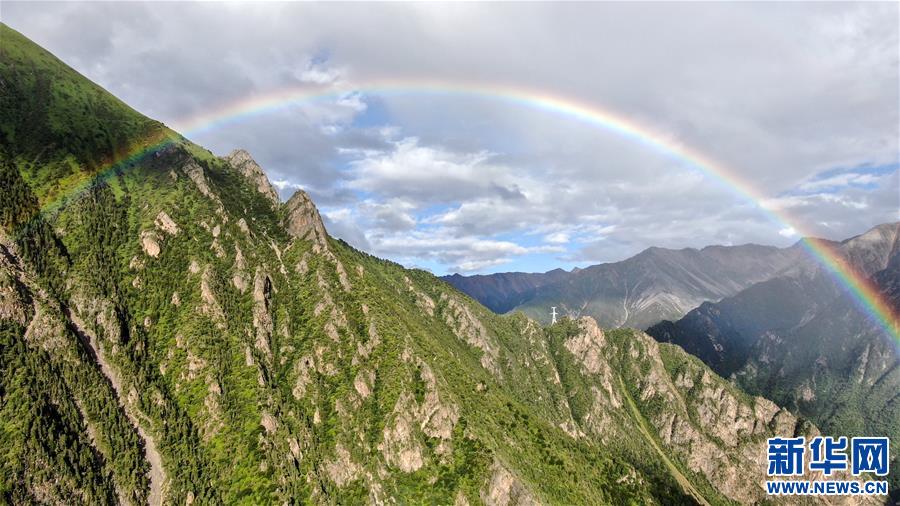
(553,315)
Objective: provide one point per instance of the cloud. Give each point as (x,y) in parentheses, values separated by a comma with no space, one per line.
(838,214)
(836,180)
(557,238)
(340,223)
(801,100)
(317,71)
(433,174)
(839,181)
(463,254)
(284,184)
(392,216)
(787,232)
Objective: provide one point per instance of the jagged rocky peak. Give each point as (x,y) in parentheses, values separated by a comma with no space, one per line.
(241,160)
(302,219)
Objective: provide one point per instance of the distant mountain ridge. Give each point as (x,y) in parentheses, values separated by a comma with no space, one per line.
(654,285)
(504,291)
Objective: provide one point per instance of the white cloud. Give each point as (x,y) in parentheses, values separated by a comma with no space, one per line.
(479,265)
(282,184)
(839,181)
(463,254)
(320,74)
(430,173)
(393,215)
(787,232)
(338,214)
(557,238)
(788,202)
(352,101)
(341,223)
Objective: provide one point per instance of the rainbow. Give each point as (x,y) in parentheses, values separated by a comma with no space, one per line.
(856,284)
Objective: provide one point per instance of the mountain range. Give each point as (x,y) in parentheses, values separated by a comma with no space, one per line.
(172,333)
(654,285)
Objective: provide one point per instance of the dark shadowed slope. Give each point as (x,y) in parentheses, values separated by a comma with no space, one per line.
(505,291)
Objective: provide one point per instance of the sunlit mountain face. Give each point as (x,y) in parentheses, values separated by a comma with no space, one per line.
(501,254)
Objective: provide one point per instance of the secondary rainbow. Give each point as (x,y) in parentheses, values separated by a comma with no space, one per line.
(862,291)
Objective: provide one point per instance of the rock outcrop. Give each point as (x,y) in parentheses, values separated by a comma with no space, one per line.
(166,224)
(242,161)
(302,219)
(505,489)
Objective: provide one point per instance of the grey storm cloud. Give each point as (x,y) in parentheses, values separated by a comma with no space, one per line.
(779,93)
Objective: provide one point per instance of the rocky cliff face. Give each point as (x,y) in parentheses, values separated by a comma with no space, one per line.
(302,219)
(245,164)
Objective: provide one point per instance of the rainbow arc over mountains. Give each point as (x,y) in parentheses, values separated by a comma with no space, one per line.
(863,292)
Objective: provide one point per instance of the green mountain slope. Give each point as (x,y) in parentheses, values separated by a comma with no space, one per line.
(172,333)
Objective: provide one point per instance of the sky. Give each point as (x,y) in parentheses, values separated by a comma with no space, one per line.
(801,100)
